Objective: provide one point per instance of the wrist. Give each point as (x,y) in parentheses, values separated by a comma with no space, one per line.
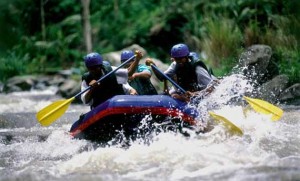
(135,75)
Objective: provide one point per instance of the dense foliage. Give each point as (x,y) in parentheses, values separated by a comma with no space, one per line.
(43,35)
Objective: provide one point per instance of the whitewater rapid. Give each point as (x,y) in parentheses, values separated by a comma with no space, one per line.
(267,150)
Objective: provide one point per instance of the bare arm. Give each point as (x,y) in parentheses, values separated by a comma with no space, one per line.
(129,90)
(149,61)
(133,66)
(142,75)
(87,96)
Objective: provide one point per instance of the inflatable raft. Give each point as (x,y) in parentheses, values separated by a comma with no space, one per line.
(129,114)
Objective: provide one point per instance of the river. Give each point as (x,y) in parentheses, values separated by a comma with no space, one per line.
(267,151)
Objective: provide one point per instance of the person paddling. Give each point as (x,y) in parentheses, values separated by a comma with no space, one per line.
(109,87)
(192,76)
(140,79)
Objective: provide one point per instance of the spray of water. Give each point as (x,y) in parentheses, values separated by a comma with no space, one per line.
(216,154)
(266,151)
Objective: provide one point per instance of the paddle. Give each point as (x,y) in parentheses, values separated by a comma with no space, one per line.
(52,112)
(228,124)
(167,77)
(259,106)
(265,108)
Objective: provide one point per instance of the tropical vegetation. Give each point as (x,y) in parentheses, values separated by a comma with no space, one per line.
(41,36)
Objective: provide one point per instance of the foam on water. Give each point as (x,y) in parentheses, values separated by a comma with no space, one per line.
(25,101)
(170,156)
(213,155)
(267,150)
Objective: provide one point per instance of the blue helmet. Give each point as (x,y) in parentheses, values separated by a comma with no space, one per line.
(194,56)
(126,54)
(179,50)
(93,59)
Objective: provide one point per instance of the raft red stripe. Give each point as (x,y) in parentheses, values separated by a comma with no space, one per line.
(135,110)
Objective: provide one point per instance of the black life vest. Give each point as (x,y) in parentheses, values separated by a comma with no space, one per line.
(187,77)
(108,88)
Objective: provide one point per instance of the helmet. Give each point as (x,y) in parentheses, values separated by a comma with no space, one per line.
(126,54)
(93,59)
(194,56)
(179,50)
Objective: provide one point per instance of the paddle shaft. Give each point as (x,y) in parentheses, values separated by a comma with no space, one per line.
(53,111)
(167,77)
(106,75)
(229,124)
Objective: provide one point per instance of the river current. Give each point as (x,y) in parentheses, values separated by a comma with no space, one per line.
(267,150)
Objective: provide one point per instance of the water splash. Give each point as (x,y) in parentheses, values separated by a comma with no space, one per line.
(229,92)
(267,150)
(170,156)
(26,101)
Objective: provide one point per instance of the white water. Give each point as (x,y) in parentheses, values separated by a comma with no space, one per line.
(267,151)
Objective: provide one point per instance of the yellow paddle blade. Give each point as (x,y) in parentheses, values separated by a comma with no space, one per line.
(52,112)
(229,125)
(265,108)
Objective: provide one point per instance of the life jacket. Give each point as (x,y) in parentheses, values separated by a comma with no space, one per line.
(187,77)
(143,86)
(202,64)
(108,87)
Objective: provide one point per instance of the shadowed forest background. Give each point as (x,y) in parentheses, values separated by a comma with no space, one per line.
(42,36)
